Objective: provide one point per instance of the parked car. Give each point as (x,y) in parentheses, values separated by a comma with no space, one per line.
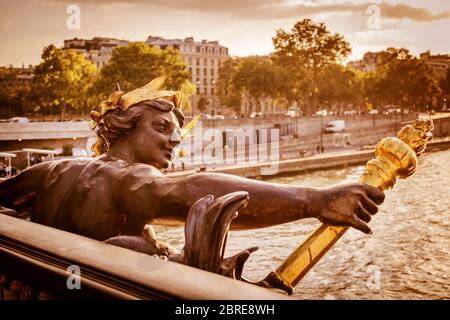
(19,120)
(335,126)
(256,115)
(351,112)
(322,113)
(291,113)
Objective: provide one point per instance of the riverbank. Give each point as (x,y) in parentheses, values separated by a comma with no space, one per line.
(323,161)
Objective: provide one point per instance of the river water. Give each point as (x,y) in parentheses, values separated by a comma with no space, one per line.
(406,257)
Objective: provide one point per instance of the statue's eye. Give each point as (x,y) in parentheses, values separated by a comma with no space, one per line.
(161,126)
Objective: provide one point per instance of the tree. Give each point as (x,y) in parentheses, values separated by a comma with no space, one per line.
(372,91)
(339,87)
(202,103)
(229,95)
(445,87)
(255,78)
(13,94)
(306,49)
(258,78)
(61,80)
(406,81)
(136,64)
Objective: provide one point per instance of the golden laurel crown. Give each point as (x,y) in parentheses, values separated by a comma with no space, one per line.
(122,100)
(151,91)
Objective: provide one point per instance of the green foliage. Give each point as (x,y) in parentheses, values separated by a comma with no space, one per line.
(339,86)
(202,103)
(67,150)
(310,45)
(256,77)
(13,94)
(403,80)
(47,148)
(445,84)
(136,64)
(302,52)
(229,95)
(61,79)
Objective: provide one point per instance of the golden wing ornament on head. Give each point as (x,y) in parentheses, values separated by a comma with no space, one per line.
(148,92)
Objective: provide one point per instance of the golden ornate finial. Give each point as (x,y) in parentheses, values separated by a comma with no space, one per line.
(395,157)
(417,135)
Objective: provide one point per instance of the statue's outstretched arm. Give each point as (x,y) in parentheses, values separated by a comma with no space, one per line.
(167,200)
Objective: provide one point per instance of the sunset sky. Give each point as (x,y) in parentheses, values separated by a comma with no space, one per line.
(246,27)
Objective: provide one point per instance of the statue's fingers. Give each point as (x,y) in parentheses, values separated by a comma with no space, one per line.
(369,205)
(361,226)
(363,214)
(375,194)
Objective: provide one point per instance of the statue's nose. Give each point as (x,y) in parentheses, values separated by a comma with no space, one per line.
(176,136)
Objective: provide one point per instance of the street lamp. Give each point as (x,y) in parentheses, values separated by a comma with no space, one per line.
(194,97)
(213,100)
(321,133)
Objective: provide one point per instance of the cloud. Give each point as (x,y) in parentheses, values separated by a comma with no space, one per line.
(280,9)
(402,11)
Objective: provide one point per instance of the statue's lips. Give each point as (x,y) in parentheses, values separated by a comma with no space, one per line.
(169,151)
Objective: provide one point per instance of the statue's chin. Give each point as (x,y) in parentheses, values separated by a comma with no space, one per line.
(164,165)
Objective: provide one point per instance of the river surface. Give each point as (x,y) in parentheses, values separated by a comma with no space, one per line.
(406,257)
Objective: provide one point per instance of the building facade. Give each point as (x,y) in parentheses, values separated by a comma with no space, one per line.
(203,59)
(367,64)
(440,62)
(98,50)
(24,75)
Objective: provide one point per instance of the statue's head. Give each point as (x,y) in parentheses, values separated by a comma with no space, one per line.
(148,120)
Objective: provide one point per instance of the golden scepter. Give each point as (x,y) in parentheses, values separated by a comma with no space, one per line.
(395,157)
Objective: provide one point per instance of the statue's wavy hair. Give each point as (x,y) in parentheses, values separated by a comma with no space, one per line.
(117,123)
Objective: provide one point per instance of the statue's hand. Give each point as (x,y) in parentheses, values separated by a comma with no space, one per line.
(347,205)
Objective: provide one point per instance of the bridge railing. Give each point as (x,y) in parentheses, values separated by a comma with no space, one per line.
(39,262)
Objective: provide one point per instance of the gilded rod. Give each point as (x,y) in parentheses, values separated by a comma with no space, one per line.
(395,157)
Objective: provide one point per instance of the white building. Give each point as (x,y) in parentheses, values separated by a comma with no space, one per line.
(203,60)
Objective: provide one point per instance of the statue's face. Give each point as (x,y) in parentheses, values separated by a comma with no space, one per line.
(156,135)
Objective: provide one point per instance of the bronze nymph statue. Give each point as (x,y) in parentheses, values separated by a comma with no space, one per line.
(114,196)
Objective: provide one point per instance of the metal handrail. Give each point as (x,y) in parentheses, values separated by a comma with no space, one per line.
(39,256)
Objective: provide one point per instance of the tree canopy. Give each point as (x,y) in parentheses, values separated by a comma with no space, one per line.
(13,94)
(303,51)
(137,64)
(403,80)
(254,77)
(61,79)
